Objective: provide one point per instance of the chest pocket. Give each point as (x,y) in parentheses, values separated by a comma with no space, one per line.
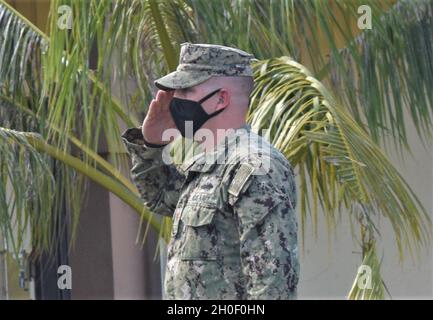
(199,239)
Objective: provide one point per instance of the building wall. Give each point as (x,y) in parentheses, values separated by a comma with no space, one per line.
(329,271)
(34,10)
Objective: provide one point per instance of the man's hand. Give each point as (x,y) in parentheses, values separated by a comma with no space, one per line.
(158,118)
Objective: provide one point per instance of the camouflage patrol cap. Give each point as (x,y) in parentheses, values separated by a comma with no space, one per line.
(199,62)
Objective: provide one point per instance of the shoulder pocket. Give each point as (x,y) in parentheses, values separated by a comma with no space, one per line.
(240,179)
(199,241)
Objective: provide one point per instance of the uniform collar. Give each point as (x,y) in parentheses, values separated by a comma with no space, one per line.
(206,161)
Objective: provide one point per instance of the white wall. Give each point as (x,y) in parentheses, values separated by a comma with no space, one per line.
(330,274)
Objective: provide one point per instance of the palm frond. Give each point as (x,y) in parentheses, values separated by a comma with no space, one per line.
(27,191)
(379,73)
(25,108)
(147,34)
(368,284)
(26,161)
(334,155)
(385,73)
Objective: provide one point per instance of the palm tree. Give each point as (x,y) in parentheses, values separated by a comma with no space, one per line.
(56,103)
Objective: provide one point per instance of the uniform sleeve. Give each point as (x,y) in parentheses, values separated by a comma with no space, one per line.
(265,211)
(157,182)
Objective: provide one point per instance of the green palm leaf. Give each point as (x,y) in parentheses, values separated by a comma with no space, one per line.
(368,284)
(385,74)
(335,156)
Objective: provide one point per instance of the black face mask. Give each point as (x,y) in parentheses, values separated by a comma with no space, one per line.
(183,110)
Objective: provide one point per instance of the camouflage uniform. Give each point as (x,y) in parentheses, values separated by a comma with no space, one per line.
(234,232)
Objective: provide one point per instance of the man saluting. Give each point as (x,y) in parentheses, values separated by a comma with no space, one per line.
(233,204)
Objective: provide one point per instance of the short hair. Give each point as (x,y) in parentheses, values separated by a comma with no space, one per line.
(185,91)
(247,84)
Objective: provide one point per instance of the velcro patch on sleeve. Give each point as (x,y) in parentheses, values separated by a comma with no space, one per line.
(241,177)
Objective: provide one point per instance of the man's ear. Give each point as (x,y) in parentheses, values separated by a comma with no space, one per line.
(223,99)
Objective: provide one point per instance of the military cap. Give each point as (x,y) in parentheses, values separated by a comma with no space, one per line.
(199,62)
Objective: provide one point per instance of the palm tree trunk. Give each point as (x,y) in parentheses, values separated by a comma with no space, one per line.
(4,295)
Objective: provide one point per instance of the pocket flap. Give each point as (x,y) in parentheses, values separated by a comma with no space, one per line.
(196,216)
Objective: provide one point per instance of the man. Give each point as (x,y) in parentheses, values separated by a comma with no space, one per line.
(234,232)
